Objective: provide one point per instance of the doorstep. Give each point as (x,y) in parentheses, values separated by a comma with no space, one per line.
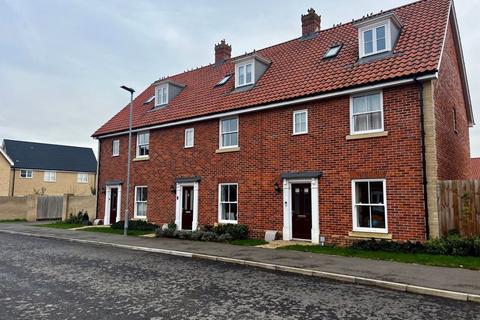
(283,243)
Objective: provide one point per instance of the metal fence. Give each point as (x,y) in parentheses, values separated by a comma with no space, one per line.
(49,207)
(459,206)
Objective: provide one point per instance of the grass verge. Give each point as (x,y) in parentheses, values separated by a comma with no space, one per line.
(60,225)
(419,258)
(248,242)
(116,231)
(13,220)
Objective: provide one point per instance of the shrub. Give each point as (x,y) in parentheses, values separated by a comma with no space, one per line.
(225,237)
(164,233)
(236,231)
(80,218)
(140,225)
(196,235)
(209,236)
(454,245)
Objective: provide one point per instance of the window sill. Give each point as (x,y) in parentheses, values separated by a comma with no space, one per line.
(370,235)
(115,155)
(233,149)
(141,158)
(366,135)
(299,134)
(227,222)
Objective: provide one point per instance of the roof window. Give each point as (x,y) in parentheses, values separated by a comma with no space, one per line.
(332,51)
(224,80)
(149,100)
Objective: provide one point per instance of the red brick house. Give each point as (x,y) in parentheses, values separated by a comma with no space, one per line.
(339,134)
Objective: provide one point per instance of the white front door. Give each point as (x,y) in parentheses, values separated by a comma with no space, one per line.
(186,214)
(289,211)
(113,200)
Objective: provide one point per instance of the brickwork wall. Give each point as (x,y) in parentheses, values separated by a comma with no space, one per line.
(268,149)
(453,146)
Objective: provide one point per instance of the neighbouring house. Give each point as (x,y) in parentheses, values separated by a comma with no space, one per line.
(475,165)
(340,134)
(38,168)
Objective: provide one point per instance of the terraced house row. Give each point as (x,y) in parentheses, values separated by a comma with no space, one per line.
(336,135)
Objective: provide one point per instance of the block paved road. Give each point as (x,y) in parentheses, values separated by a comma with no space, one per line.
(55,279)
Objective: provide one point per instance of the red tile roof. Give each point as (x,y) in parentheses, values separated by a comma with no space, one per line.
(475,165)
(298,70)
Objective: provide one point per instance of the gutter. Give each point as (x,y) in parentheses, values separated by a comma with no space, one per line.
(424,161)
(428,76)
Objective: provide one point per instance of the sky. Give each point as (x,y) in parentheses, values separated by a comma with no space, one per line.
(62,62)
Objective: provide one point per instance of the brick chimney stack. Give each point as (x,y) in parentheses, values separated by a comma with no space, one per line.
(310,22)
(223,51)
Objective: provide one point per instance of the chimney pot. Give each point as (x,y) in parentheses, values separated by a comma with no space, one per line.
(223,51)
(310,22)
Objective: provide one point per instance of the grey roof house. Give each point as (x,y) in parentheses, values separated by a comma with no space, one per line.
(41,168)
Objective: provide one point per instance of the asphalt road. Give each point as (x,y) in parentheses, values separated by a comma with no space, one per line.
(54,279)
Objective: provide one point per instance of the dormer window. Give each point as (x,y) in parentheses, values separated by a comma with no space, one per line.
(166,91)
(245,74)
(374,40)
(377,34)
(249,69)
(161,95)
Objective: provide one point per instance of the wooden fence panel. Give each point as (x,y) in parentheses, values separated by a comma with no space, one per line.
(49,207)
(459,206)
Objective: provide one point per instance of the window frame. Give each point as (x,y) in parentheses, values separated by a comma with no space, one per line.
(306,121)
(373,28)
(137,149)
(355,227)
(26,174)
(117,153)
(237,73)
(220,140)
(185,145)
(220,220)
(50,172)
(157,89)
(80,174)
(382,115)
(135,210)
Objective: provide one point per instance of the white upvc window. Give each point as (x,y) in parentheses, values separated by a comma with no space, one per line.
(244,73)
(369,202)
(366,113)
(143,144)
(82,177)
(115,148)
(228,203)
(189,137)
(161,95)
(228,133)
(26,174)
(375,39)
(49,176)
(141,197)
(300,122)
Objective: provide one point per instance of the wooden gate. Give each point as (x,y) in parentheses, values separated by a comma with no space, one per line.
(459,207)
(49,207)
